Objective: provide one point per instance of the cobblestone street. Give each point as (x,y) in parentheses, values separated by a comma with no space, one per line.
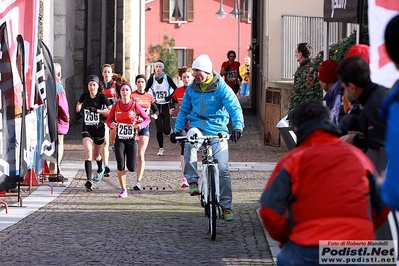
(158,226)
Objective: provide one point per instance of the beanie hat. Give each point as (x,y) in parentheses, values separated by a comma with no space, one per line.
(203,62)
(392,39)
(361,50)
(328,71)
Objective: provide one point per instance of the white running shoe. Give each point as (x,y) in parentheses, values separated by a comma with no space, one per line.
(137,186)
(160,152)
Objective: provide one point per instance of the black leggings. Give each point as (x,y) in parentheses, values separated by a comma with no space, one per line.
(163,123)
(126,149)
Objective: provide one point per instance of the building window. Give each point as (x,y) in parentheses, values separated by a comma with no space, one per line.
(246,9)
(184,57)
(178,10)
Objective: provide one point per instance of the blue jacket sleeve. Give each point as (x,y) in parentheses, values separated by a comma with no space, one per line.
(390,187)
(233,107)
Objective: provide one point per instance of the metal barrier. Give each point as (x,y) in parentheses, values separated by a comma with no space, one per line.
(297,29)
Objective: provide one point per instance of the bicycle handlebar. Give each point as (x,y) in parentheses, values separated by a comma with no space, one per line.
(205,137)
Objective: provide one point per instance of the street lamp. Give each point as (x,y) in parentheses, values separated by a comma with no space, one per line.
(221,14)
(235,13)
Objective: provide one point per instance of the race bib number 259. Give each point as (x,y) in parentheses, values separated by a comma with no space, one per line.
(125,131)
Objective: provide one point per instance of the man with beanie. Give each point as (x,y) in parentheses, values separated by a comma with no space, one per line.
(390,110)
(352,108)
(329,82)
(208,105)
(162,88)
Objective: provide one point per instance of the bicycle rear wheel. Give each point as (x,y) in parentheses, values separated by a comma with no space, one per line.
(212,201)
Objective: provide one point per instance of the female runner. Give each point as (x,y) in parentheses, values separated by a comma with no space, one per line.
(111,90)
(125,117)
(147,102)
(91,107)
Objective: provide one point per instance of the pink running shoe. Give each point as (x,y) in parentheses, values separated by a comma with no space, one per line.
(123,193)
(184,183)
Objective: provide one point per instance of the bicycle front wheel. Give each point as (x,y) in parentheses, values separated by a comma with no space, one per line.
(212,201)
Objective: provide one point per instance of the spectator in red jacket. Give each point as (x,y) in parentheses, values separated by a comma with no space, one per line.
(324,189)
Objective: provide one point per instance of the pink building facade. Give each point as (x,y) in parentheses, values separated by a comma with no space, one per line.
(197,30)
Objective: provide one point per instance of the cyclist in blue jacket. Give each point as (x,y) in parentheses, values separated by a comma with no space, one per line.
(208,105)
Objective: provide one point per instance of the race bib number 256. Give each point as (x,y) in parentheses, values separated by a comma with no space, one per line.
(91,119)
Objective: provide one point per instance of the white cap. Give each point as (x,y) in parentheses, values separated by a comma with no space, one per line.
(203,62)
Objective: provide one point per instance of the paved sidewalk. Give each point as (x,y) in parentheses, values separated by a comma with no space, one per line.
(158,226)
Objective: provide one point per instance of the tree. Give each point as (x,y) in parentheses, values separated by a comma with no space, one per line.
(164,51)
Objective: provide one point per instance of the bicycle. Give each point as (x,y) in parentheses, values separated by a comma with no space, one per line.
(209,187)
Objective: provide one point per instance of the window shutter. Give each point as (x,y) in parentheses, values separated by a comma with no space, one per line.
(189,57)
(177,60)
(190,10)
(165,10)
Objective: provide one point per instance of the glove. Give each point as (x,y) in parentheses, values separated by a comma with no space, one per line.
(78,116)
(235,135)
(227,68)
(93,109)
(174,135)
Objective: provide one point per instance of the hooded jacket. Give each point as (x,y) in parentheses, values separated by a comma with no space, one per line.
(321,190)
(210,110)
(63,110)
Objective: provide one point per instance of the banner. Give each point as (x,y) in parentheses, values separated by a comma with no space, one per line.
(21,17)
(7,117)
(382,69)
(341,11)
(45,83)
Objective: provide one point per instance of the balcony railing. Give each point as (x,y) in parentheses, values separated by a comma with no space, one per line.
(297,29)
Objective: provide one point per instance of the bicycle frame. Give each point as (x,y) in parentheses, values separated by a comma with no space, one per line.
(209,188)
(207,162)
